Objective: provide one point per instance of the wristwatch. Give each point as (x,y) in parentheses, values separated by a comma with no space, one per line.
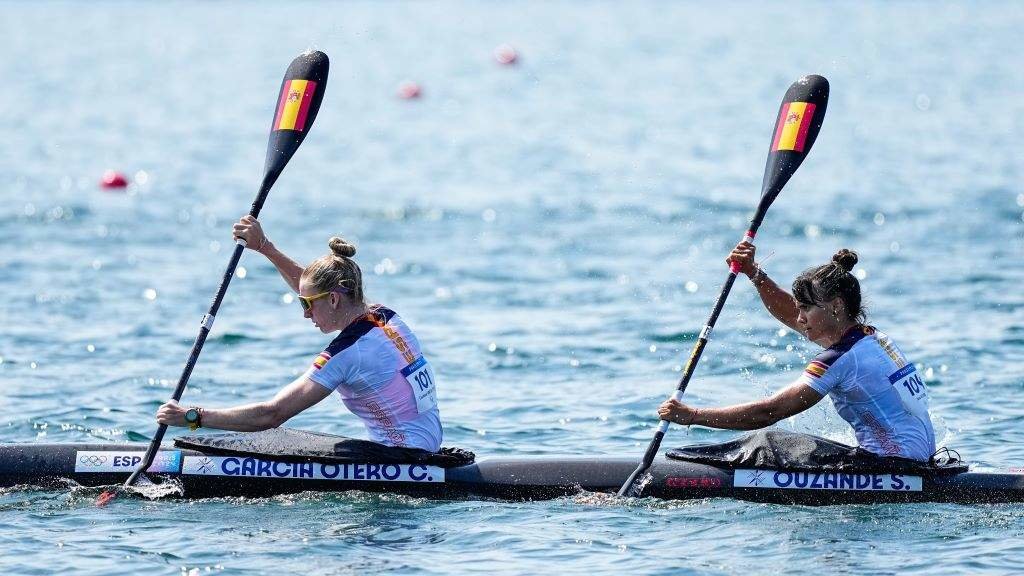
(194,418)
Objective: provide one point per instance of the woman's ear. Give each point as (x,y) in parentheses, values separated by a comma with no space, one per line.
(837,307)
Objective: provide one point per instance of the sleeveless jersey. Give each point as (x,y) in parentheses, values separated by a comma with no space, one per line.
(877,391)
(377,368)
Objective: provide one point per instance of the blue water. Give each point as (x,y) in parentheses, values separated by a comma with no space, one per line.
(553,231)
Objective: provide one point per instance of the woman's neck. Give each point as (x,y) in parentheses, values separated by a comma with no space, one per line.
(836,335)
(349,314)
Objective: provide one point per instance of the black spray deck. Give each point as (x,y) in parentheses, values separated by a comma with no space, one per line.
(203,475)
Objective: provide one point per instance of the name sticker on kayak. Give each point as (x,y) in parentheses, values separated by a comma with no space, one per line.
(108,461)
(259,468)
(775,479)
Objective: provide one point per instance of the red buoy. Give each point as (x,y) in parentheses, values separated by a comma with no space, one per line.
(505,55)
(408,90)
(112,179)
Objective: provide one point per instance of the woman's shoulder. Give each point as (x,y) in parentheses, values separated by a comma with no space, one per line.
(380,314)
(376,317)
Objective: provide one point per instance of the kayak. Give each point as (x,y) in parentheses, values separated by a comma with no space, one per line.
(203,474)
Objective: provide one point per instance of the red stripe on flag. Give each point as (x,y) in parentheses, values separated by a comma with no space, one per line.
(805,125)
(280,104)
(780,125)
(307,98)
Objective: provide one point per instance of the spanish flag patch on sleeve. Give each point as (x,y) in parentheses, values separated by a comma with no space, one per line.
(320,360)
(816,369)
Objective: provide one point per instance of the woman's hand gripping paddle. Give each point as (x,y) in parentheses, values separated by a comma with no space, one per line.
(302,91)
(803,109)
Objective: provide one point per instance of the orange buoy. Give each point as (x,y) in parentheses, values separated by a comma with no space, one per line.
(408,90)
(505,55)
(112,180)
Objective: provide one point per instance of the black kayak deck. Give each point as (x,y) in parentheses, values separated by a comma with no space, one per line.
(203,475)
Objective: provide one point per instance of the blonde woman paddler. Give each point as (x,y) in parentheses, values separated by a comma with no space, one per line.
(374,363)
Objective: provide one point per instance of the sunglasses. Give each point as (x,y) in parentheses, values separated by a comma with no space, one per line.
(307,301)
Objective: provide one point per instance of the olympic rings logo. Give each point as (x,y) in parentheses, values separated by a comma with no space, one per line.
(93,460)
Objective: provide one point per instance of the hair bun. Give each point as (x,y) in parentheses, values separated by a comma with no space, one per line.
(342,248)
(845,259)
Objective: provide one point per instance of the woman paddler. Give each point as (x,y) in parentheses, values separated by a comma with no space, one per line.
(871,383)
(375,363)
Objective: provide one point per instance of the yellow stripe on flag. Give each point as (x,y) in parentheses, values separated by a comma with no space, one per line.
(791,129)
(292,104)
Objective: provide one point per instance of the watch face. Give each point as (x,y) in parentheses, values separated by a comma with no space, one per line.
(192,415)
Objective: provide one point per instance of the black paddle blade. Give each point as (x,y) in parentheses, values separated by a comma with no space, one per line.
(797,127)
(302,91)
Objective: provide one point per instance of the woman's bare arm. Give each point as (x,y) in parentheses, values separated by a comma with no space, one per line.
(292,399)
(249,229)
(787,402)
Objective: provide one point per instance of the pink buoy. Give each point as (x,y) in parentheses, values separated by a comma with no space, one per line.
(505,55)
(408,90)
(112,180)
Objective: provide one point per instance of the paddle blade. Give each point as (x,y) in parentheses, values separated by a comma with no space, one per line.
(298,102)
(796,128)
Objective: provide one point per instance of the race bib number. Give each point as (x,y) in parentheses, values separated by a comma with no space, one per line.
(420,377)
(912,390)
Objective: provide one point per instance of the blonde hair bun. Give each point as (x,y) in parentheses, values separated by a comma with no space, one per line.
(341,248)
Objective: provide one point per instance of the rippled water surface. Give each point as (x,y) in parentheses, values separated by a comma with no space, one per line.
(554,232)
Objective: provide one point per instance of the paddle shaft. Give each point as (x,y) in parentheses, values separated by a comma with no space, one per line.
(204,330)
(302,91)
(796,128)
(691,365)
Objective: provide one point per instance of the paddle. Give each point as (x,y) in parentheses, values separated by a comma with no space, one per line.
(302,90)
(800,117)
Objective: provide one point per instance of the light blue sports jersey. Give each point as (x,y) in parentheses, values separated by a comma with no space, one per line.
(376,367)
(877,391)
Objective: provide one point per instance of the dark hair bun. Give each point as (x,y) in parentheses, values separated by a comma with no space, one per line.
(845,259)
(343,249)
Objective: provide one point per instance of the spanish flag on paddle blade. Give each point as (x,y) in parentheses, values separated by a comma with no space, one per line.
(302,92)
(794,120)
(796,129)
(293,105)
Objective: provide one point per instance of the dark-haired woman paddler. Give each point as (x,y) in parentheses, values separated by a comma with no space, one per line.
(871,383)
(375,363)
